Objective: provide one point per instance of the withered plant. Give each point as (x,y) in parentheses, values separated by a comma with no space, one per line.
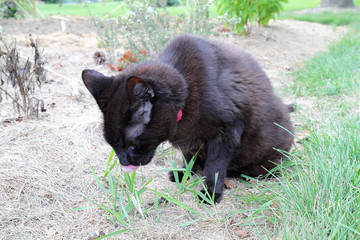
(22,81)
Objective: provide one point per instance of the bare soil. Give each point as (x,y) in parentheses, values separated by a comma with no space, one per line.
(44,171)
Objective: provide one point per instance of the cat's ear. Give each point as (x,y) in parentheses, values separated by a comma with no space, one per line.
(139,90)
(98,85)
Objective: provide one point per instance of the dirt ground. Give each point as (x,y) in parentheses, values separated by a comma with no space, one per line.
(44,171)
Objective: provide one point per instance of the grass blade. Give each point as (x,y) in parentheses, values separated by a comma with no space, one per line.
(113,234)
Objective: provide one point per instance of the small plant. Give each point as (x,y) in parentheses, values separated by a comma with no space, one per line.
(136,31)
(244,12)
(198,21)
(8,9)
(120,202)
(24,80)
(18,8)
(123,197)
(107,36)
(185,183)
(148,27)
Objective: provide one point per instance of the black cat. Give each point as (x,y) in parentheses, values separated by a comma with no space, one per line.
(204,97)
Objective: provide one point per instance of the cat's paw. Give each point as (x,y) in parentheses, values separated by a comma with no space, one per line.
(217,197)
(172,176)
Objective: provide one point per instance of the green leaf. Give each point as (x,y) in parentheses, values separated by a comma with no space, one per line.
(108,163)
(113,234)
(173,200)
(98,181)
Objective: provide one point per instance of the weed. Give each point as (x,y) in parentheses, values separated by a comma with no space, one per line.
(107,36)
(119,203)
(189,184)
(198,21)
(148,27)
(24,80)
(123,200)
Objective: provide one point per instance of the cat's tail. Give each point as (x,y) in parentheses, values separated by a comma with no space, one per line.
(290,107)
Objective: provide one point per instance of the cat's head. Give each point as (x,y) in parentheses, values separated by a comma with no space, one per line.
(136,120)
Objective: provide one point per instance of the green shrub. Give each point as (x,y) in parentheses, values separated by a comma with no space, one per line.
(8,9)
(52,1)
(241,13)
(18,8)
(170,2)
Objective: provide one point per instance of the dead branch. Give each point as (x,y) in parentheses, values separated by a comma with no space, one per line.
(24,80)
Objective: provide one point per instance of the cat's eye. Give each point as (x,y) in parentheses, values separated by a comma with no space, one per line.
(130,148)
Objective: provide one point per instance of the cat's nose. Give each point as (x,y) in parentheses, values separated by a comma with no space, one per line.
(122,155)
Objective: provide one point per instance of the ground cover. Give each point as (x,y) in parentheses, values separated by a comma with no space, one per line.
(44,163)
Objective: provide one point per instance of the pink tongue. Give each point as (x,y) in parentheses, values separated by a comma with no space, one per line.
(130,168)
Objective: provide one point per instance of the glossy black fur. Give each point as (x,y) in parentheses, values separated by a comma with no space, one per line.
(229,110)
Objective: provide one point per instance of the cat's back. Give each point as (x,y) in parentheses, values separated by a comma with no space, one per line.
(224,80)
(213,62)
(191,54)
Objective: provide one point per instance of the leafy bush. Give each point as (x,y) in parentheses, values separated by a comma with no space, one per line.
(52,1)
(173,3)
(18,8)
(8,9)
(168,2)
(243,12)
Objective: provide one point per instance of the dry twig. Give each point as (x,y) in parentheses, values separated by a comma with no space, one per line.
(24,80)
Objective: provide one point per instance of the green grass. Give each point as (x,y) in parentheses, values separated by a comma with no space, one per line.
(110,8)
(102,9)
(319,197)
(332,73)
(293,5)
(336,19)
(322,200)
(123,196)
(337,71)
(120,202)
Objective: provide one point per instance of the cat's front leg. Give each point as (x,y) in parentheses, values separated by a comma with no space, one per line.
(218,158)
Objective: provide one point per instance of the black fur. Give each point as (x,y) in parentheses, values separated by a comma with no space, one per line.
(229,110)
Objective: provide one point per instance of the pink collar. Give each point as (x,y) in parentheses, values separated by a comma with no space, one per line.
(179,115)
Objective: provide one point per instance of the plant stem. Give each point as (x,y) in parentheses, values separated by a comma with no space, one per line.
(23,94)
(19,105)
(46,68)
